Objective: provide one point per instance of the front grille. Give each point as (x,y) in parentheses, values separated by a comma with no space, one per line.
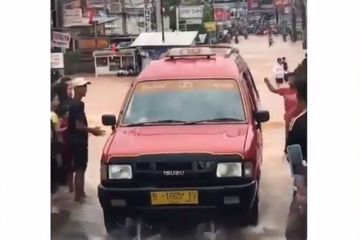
(175,166)
(196,170)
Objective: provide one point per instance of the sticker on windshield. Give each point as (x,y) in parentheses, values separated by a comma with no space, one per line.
(152,86)
(224,85)
(185,85)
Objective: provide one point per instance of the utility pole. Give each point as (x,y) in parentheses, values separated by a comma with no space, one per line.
(177,19)
(214,20)
(124,17)
(162,20)
(158,15)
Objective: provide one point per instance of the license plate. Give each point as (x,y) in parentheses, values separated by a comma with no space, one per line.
(174,198)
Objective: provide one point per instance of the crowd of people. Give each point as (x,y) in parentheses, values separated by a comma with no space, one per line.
(281,71)
(294,93)
(69,136)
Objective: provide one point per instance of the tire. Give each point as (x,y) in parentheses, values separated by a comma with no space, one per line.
(111,220)
(253,217)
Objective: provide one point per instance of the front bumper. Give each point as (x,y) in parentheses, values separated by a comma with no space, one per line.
(213,202)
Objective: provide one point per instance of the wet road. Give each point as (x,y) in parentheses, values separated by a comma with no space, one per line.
(85,221)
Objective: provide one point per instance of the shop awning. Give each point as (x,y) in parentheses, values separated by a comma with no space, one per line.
(154,39)
(85,21)
(109,52)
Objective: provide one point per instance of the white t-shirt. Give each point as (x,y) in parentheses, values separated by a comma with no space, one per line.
(279,71)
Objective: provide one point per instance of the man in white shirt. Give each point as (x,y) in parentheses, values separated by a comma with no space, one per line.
(279,72)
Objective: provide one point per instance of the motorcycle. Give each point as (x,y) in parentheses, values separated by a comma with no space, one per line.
(271,41)
(236,39)
(225,38)
(245,33)
(284,35)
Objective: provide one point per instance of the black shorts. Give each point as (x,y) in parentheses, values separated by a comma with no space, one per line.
(279,80)
(80,156)
(286,77)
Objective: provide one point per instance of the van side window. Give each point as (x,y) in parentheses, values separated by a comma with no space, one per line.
(253,83)
(250,89)
(250,93)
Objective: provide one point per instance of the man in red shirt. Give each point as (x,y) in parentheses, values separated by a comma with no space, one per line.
(290,101)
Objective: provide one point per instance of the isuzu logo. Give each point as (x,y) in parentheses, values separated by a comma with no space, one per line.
(173,173)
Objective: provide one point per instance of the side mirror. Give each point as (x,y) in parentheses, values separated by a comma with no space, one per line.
(108,120)
(262,116)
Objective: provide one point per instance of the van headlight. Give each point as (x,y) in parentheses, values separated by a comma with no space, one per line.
(228,170)
(120,172)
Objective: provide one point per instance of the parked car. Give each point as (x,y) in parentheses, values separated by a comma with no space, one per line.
(187,143)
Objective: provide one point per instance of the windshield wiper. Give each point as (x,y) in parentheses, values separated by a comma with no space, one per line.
(155,122)
(215,120)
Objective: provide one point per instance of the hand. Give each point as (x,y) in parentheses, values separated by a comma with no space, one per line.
(98,132)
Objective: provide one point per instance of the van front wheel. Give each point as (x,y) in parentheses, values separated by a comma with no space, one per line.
(112,220)
(253,217)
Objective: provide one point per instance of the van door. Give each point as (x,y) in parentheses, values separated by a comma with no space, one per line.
(255,98)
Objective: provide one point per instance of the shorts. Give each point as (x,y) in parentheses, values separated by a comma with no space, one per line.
(54,174)
(279,80)
(79,156)
(67,158)
(286,77)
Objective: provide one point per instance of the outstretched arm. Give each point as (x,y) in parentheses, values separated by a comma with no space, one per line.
(270,87)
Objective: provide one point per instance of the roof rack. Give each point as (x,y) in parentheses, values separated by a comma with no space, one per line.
(228,53)
(190,52)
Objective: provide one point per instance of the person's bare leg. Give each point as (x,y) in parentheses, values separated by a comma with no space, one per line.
(78,184)
(70,181)
(82,193)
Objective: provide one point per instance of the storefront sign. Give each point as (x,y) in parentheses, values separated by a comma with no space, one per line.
(253,4)
(71,4)
(60,39)
(193,21)
(287,10)
(210,26)
(281,3)
(57,60)
(222,14)
(96,3)
(73,16)
(186,12)
(98,43)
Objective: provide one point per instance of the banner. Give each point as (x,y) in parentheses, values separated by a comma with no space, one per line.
(193,21)
(253,4)
(190,12)
(60,39)
(222,14)
(281,3)
(73,16)
(57,60)
(71,4)
(210,26)
(97,3)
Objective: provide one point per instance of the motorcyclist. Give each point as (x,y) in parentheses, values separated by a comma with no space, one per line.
(236,37)
(284,30)
(270,37)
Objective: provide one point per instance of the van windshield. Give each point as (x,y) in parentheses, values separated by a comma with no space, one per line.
(185,101)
